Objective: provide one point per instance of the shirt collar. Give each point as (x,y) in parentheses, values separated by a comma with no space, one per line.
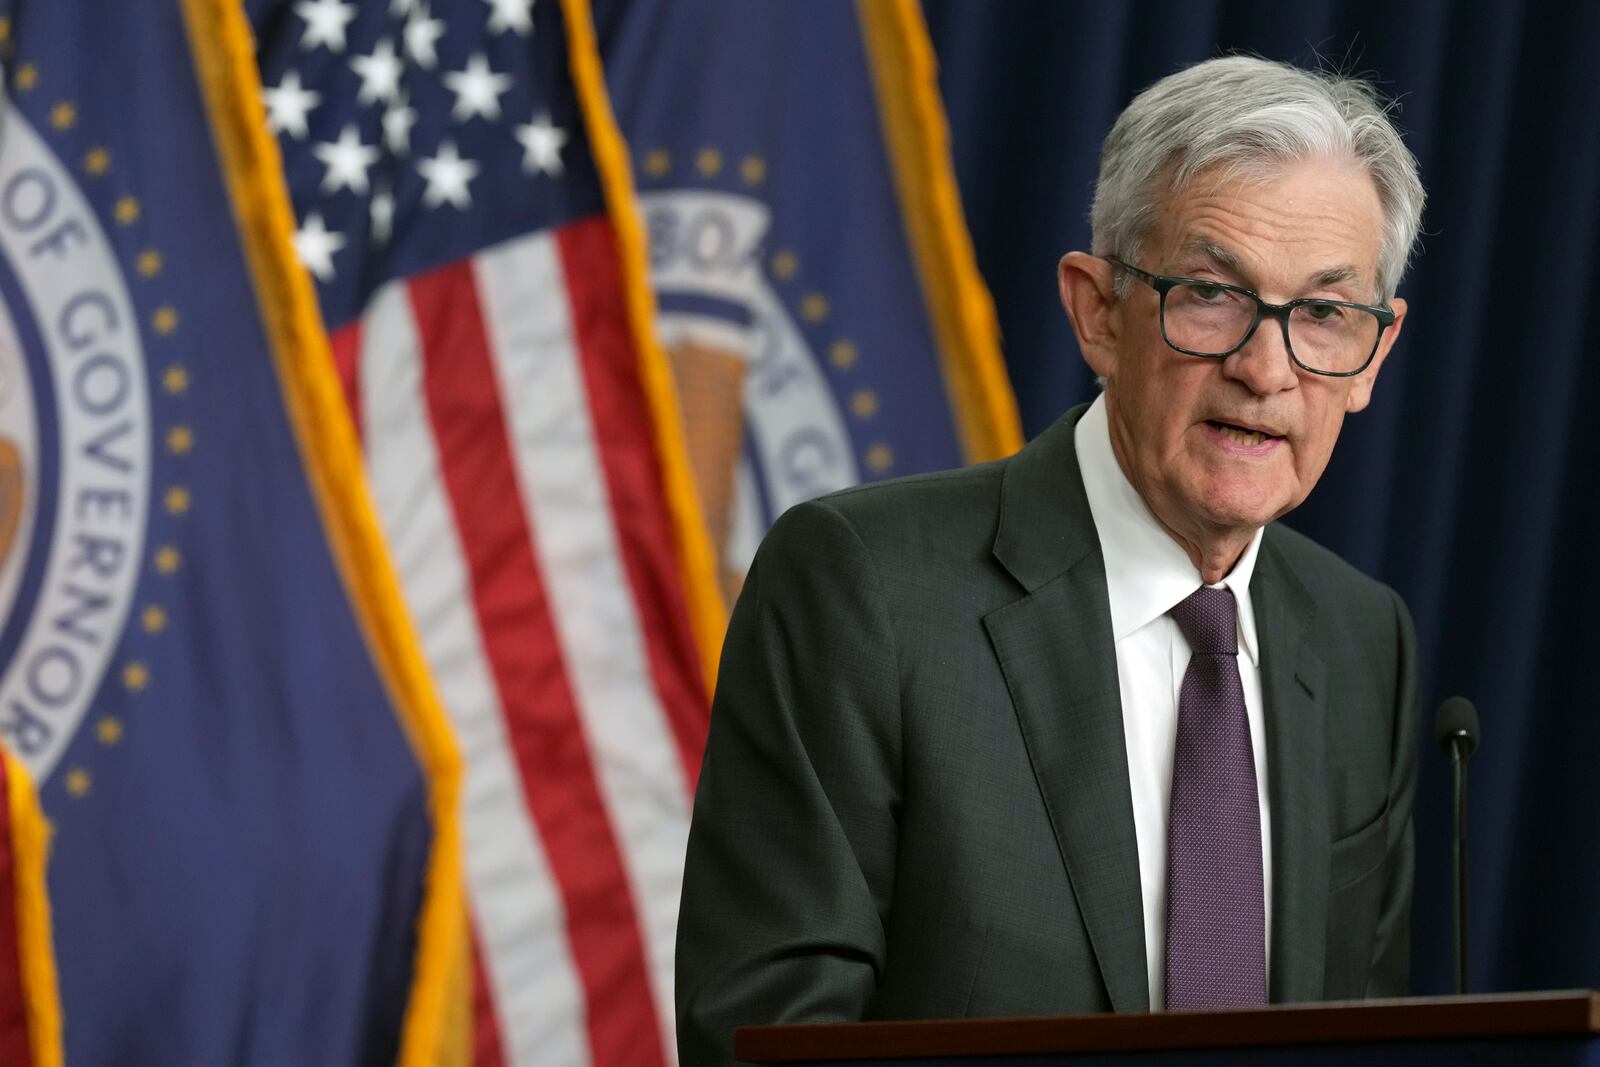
(1147,572)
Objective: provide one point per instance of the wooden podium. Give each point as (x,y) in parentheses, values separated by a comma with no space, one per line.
(1521,1029)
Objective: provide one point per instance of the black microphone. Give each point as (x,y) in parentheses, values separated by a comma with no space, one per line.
(1456,729)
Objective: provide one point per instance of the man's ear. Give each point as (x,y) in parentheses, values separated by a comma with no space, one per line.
(1360,394)
(1086,294)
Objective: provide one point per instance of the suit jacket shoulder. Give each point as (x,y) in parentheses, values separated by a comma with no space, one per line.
(918,520)
(1329,578)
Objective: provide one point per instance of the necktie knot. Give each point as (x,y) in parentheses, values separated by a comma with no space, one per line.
(1208,620)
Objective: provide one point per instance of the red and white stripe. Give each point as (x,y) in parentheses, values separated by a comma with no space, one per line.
(511,456)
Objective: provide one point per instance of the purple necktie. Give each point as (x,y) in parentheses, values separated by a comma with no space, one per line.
(1216,914)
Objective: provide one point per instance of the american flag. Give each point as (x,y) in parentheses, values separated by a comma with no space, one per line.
(451,214)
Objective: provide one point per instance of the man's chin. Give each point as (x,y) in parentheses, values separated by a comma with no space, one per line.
(1242,508)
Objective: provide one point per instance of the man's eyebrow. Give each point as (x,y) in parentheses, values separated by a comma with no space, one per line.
(1209,249)
(1335,276)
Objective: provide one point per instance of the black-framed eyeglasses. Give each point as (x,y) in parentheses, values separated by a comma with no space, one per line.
(1214,319)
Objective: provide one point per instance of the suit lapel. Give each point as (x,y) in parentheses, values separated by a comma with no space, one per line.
(1293,685)
(1056,653)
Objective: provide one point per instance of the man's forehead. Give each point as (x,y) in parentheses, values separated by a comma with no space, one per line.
(1313,222)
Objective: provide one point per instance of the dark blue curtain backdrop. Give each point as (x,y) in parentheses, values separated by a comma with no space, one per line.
(1470,482)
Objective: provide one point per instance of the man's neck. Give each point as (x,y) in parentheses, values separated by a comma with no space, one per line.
(1213,557)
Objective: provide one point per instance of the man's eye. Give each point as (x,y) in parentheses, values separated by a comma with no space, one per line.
(1208,292)
(1323,312)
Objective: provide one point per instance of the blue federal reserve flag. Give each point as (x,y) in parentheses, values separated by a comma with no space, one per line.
(199,660)
(815,282)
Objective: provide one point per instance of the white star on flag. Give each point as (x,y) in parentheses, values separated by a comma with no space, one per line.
(315,246)
(379,73)
(325,23)
(510,15)
(422,33)
(477,90)
(398,119)
(541,146)
(288,105)
(447,175)
(347,160)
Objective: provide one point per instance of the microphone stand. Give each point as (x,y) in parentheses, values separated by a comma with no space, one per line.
(1456,728)
(1458,765)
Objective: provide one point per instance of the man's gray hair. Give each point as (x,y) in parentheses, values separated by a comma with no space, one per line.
(1250,116)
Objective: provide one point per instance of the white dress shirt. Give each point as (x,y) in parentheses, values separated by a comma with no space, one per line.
(1147,574)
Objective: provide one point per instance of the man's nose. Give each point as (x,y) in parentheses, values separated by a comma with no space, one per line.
(1263,365)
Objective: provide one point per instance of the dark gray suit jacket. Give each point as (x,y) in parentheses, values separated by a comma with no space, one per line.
(915,801)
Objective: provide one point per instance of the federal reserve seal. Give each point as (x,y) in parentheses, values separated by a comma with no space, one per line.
(75,462)
(764,428)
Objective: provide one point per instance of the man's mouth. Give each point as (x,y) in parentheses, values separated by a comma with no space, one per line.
(1242,435)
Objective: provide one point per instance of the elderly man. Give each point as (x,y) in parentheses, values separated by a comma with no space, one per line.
(1085,730)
